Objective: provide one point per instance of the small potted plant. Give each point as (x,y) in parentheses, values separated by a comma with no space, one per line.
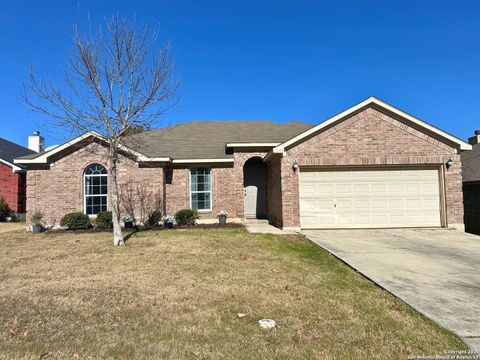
(128,222)
(222,217)
(168,221)
(37,222)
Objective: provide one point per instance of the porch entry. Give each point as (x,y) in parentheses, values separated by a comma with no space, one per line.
(255,189)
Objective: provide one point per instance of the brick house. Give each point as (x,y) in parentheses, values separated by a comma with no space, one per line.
(372,165)
(13,181)
(471,185)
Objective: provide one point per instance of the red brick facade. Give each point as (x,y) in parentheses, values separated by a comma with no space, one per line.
(60,190)
(274,192)
(369,138)
(227,187)
(224,197)
(13,188)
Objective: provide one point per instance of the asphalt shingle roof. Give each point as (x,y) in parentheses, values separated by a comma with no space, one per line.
(207,139)
(471,164)
(10,150)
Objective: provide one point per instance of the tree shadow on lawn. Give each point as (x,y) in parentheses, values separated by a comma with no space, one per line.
(139,229)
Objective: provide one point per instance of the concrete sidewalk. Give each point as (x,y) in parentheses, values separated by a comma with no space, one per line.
(263,227)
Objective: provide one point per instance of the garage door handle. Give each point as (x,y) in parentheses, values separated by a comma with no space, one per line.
(334,205)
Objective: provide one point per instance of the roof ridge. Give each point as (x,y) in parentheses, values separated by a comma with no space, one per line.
(190,122)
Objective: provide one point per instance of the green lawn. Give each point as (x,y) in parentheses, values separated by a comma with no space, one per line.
(176,294)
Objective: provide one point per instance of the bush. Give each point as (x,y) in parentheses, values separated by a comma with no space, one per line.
(76,221)
(104,220)
(154,218)
(36,218)
(5,211)
(186,217)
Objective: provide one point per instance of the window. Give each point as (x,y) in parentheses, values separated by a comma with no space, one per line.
(200,189)
(96,189)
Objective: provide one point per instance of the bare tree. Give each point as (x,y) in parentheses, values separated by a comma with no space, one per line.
(140,201)
(115,84)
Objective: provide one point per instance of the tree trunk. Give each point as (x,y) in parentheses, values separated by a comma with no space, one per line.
(115,201)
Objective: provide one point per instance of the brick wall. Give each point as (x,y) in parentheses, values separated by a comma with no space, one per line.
(13,188)
(59,190)
(370,138)
(274,192)
(178,192)
(227,187)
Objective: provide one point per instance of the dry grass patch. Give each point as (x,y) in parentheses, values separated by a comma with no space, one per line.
(176,294)
(12,226)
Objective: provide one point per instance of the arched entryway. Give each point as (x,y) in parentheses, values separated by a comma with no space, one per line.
(255,189)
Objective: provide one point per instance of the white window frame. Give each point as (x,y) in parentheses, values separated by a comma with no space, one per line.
(95,195)
(197,192)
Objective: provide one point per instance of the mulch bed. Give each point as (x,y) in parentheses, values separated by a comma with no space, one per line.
(210,226)
(142,228)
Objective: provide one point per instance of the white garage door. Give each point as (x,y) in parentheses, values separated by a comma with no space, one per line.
(369,198)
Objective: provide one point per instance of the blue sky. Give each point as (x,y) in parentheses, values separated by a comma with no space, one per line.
(276,60)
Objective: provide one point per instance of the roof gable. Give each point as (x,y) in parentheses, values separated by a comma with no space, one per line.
(374,102)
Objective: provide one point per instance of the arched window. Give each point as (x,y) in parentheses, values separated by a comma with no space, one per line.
(96,189)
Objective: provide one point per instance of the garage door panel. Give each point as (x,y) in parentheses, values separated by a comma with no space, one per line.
(361,204)
(345,219)
(370,198)
(344,203)
(396,203)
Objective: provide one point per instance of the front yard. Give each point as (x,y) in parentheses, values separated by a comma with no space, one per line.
(176,294)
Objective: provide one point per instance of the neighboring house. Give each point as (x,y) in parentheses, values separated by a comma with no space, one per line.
(13,176)
(471,185)
(370,166)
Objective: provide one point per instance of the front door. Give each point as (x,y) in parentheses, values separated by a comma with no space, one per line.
(250,193)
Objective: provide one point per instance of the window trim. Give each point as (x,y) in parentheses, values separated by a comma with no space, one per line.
(190,188)
(84,176)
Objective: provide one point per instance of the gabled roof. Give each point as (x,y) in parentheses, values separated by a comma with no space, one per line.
(373,101)
(208,139)
(9,151)
(196,141)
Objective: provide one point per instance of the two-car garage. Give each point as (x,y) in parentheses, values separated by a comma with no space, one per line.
(370,198)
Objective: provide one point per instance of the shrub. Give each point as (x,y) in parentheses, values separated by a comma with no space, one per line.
(5,211)
(104,220)
(36,218)
(154,218)
(186,217)
(76,221)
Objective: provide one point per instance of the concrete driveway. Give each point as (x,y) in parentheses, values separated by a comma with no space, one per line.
(436,272)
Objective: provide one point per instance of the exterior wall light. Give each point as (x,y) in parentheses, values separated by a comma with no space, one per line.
(449,163)
(295,165)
